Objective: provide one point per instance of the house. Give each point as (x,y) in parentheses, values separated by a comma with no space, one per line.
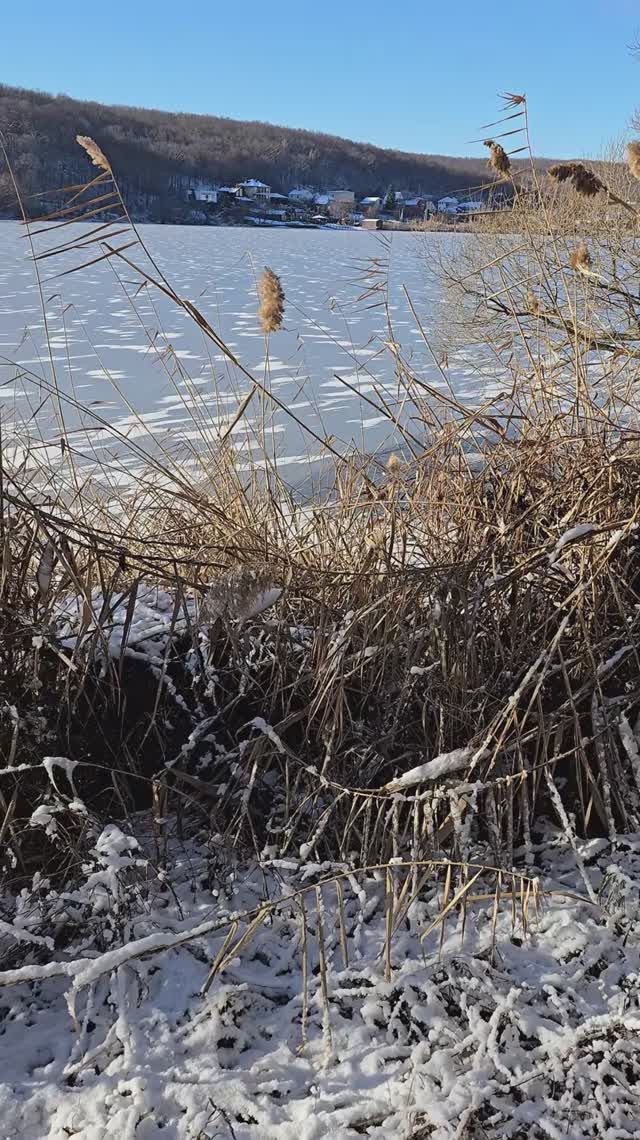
(321,200)
(370,203)
(371,224)
(343,197)
(226,195)
(471,208)
(301,194)
(255,189)
(447,205)
(204,193)
(279,197)
(411,208)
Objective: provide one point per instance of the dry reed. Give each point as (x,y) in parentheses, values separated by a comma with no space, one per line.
(580,259)
(585,181)
(97,156)
(499,159)
(633,158)
(433,604)
(271,296)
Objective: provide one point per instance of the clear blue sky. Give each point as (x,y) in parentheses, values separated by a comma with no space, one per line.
(419,75)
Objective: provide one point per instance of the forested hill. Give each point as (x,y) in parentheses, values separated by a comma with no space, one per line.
(156,154)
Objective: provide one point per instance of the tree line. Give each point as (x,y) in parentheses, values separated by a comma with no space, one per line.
(156,155)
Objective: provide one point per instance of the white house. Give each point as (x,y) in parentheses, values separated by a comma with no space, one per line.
(254,188)
(300,194)
(322,199)
(370,203)
(448,205)
(204,193)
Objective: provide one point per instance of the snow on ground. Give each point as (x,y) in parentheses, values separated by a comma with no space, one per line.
(514,1020)
(499,1031)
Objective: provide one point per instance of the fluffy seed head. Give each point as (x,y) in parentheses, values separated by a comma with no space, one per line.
(533,303)
(271,295)
(584,181)
(393,464)
(499,160)
(93,150)
(580,259)
(633,158)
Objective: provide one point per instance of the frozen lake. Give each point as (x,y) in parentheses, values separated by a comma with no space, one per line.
(136,363)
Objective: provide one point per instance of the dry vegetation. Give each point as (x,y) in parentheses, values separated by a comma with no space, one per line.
(477,595)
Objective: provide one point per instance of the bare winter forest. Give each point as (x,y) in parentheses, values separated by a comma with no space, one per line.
(158,154)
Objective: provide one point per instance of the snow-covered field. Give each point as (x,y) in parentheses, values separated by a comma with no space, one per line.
(311,1029)
(145,369)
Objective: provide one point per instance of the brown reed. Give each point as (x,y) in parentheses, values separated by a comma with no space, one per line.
(633,157)
(499,159)
(96,155)
(583,180)
(580,259)
(271,295)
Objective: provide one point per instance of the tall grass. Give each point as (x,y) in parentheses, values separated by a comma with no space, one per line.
(474,600)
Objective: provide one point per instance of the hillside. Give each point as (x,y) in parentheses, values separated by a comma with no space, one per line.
(157,154)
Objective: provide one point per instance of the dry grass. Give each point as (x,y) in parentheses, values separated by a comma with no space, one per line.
(422,606)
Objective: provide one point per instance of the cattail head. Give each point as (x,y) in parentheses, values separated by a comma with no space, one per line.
(394,465)
(499,160)
(633,158)
(95,154)
(533,303)
(584,181)
(271,295)
(580,259)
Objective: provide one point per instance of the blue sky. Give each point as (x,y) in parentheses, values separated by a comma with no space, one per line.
(419,75)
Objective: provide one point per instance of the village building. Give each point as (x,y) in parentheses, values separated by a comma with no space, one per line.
(301,194)
(471,207)
(448,205)
(343,197)
(203,192)
(255,189)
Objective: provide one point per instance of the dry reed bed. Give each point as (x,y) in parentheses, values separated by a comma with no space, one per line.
(437,604)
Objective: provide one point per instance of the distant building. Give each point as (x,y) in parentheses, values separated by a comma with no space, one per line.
(370,203)
(471,208)
(322,200)
(204,193)
(346,197)
(371,224)
(301,194)
(227,195)
(255,189)
(448,205)
(411,208)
